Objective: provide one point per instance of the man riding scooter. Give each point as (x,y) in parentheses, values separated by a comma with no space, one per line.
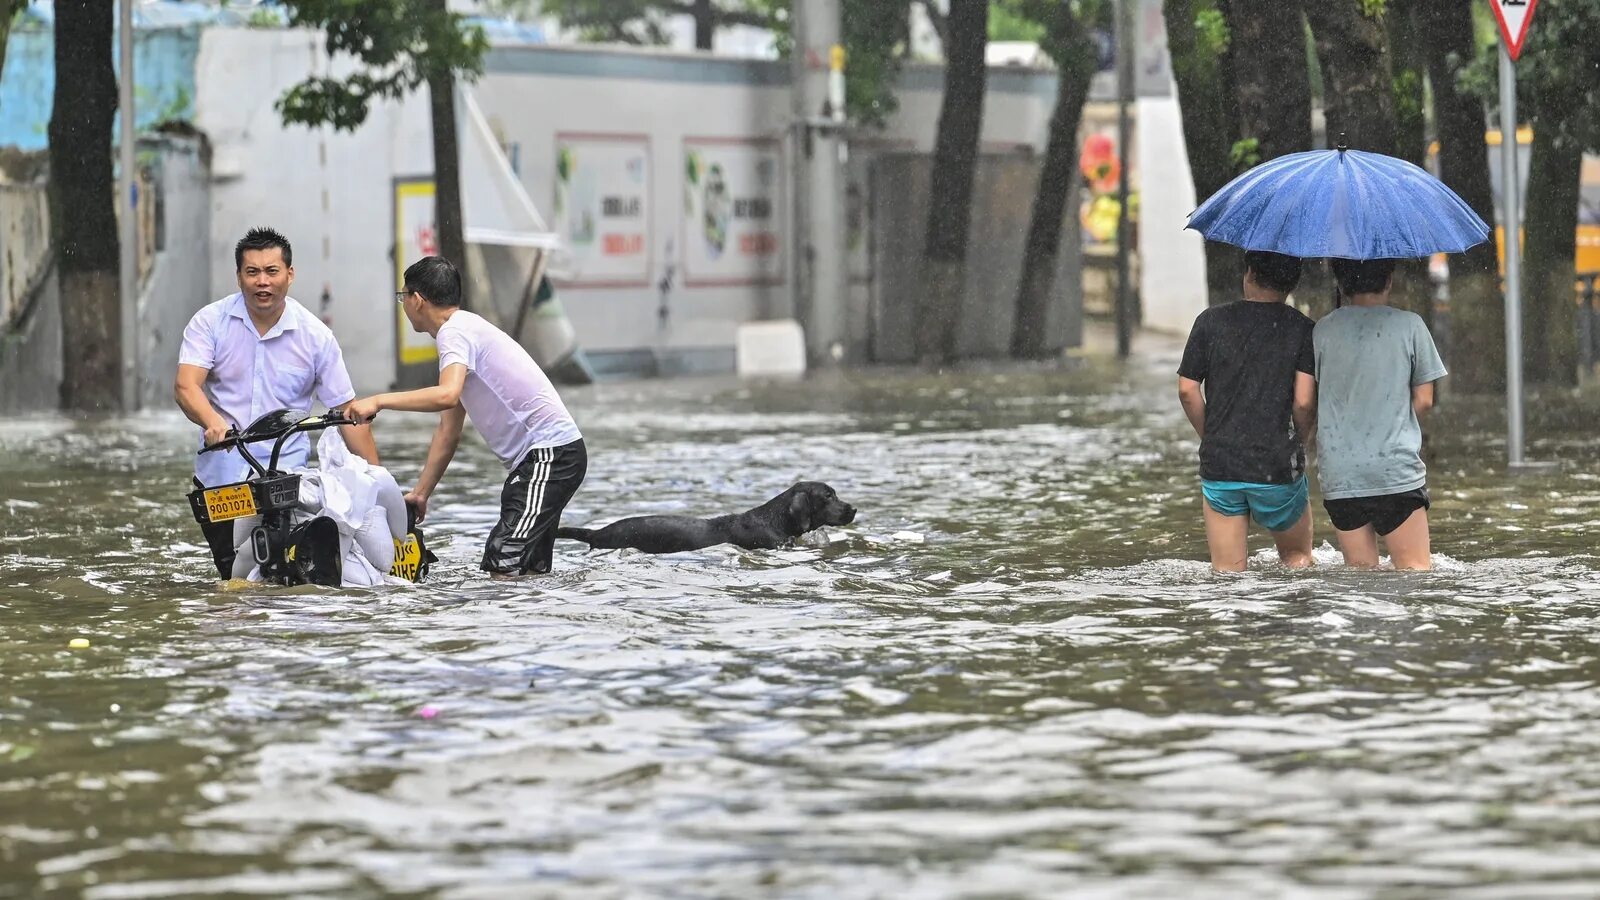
(253,352)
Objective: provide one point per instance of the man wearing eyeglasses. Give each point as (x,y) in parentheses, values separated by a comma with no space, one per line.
(253,352)
(487,375)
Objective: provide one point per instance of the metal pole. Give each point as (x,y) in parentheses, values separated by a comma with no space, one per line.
(800,217)
(128,225)
(822,292)
(1511,203)
(1125,71)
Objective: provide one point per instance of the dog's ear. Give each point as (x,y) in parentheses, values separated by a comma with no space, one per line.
(799,510)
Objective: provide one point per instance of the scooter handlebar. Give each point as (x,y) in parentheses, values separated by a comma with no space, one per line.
(230,438)
(233,438)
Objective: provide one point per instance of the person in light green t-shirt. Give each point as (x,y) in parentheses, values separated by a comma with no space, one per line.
(1375,369)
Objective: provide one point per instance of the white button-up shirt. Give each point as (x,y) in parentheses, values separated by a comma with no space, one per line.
(253,374)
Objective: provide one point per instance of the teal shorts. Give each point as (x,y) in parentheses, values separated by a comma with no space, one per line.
(1275,507)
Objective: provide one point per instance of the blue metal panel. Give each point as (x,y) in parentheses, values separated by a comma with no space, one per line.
(164,81)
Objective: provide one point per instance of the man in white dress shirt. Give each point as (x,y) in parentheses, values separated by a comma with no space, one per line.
(251,353)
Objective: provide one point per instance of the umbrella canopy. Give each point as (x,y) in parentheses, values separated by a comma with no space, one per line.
(1340,203)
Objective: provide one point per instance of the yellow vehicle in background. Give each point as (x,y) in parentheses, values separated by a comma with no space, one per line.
(1588,237)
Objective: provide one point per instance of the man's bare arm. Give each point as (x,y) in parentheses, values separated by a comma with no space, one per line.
(430,399)
(442,449)
(189,390)
(1194,404)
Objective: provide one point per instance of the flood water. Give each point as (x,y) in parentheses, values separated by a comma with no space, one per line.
(1014,675)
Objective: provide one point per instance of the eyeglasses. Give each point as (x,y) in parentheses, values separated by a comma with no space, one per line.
(400,296)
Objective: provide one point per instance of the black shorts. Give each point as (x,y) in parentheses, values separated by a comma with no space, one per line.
(536,492)
(1384,513)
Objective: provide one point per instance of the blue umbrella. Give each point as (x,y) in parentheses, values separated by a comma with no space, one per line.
(1340,203)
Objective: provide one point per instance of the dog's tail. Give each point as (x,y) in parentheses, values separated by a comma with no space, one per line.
(576,534)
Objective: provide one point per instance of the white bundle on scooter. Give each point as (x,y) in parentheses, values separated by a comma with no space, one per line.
(363,500)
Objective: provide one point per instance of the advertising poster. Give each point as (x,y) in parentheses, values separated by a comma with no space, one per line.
(414,238)
(733,216)
(602,208)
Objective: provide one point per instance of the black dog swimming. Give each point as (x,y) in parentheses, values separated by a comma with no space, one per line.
(806,506)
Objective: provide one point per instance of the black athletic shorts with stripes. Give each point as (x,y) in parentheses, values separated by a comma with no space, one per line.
(536,492)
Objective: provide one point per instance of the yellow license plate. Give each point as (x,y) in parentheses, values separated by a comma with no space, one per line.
(232,502)
(407,558)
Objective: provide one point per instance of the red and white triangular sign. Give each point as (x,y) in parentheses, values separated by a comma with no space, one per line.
(1514,17)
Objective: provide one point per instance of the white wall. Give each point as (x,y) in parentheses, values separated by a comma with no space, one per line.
(530,94)
(1172,277)
(328,192)
(331,193)
(528,100)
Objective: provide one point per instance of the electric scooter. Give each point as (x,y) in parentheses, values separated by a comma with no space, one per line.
(290,554)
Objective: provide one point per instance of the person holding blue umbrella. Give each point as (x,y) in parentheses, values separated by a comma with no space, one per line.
(1375,366)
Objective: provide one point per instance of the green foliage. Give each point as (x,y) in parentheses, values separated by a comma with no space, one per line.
(264,17)
(1060,27)
(1211,30)
(1372,9)
(1244,153)
(1408,97)
(399,43)
(643,22)
(178,109)
(874,42)
(1558,76)
(1008,21)
(611,21)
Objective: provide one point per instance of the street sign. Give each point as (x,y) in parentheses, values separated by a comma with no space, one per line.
(1514,17)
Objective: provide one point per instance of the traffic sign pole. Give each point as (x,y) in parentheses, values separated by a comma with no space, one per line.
(1514,17)
(1510,203)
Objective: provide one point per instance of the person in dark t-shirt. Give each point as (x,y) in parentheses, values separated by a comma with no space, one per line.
(1247,383)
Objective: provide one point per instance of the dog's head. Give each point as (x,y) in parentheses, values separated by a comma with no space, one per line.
(810,505)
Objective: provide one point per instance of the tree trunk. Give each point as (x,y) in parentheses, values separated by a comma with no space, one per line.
(1272,82)
(955,158)
(8,15)
(82,212)
(1477,351)
(1357,75)
(1549,345)
(1205,103)
(705,24)
(1056,178)
(1408,57)
(1413,289)
(447,175)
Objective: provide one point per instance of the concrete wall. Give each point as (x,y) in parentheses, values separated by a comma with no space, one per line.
(30,355)
(669,98)
(24,247)
(1002,207)
(30,318)
(332,193)
(178,282)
